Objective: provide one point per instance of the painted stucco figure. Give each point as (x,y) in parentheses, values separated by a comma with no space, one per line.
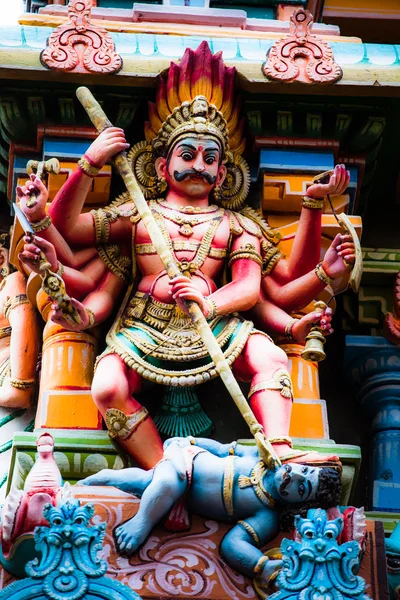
(18,361)
(226,482)
(192,172)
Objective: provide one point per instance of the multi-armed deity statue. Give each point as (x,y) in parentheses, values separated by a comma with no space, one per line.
(192,172)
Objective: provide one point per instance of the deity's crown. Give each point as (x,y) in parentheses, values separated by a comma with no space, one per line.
(197,96)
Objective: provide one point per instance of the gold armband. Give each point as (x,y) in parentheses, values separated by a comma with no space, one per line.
(314,203)
(13,302)
(102,221)
(22,384)
(248,252)
(92,317)
(87,168)
(212,309)
(41,225)
(322,274)
(288,329)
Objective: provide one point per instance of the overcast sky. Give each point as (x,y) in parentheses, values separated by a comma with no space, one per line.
(10,10)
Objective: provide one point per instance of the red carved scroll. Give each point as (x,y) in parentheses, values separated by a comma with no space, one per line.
(79,46)
(301,56)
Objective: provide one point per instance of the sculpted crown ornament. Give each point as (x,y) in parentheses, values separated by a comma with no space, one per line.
(69,568)
(318,64)
(196,97)
(79,46)
(317,567)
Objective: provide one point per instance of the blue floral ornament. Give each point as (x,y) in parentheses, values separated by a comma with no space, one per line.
(69,567)
(318,567)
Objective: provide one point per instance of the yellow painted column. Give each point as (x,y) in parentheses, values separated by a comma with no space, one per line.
(68,358)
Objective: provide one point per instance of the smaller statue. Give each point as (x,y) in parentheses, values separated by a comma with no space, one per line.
(18,359)
(226,482)
(23,509)
(316,566)
(69,567)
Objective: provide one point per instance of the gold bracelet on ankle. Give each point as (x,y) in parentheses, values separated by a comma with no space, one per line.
(41,225)
(87,168)
(314,203)
(289,328)
(322,274)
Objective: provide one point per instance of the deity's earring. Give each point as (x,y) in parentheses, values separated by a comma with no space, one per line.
(161,184)
(217,193)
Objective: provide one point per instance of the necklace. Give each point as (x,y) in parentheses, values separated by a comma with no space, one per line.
(189,210)
(256,481)
(185,222)
(189,267)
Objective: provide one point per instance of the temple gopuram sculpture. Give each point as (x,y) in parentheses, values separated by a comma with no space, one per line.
(182,181)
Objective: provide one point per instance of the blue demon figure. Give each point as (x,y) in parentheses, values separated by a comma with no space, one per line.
(226,483)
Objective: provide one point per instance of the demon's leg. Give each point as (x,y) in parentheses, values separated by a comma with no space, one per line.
(165,488)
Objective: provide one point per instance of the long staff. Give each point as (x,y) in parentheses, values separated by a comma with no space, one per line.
(101,122)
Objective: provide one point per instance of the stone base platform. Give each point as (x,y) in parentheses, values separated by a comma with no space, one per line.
(188,565)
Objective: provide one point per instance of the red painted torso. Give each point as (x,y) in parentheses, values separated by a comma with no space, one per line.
(153,277)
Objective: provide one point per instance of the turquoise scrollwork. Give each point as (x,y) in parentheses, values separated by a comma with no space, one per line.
(317,567)
(69,567)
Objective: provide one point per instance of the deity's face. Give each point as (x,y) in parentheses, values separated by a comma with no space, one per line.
(297,483)
(193,167)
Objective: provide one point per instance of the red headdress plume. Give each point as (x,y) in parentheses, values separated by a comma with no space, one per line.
(197,95)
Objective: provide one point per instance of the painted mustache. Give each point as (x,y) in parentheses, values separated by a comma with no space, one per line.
(180,176)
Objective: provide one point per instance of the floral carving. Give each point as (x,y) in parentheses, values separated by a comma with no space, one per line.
(69,567)
(316,566)
(79,46)
(301,56)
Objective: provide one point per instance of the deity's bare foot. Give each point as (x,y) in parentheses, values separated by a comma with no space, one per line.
(286,454)
(131,535)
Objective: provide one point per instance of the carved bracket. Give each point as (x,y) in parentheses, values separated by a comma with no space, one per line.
(301,56)
(78,46)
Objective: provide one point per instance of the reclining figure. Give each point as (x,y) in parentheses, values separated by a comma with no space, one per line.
(226,482)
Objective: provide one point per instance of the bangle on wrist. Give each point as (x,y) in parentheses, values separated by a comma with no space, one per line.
(87,166)
(289,329)
(212,308)
(41,225)
(60,269)
(92,317)
(314,203)
(22,384)
(322,274)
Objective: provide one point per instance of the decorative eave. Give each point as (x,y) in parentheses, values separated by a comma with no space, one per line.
(367,68)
